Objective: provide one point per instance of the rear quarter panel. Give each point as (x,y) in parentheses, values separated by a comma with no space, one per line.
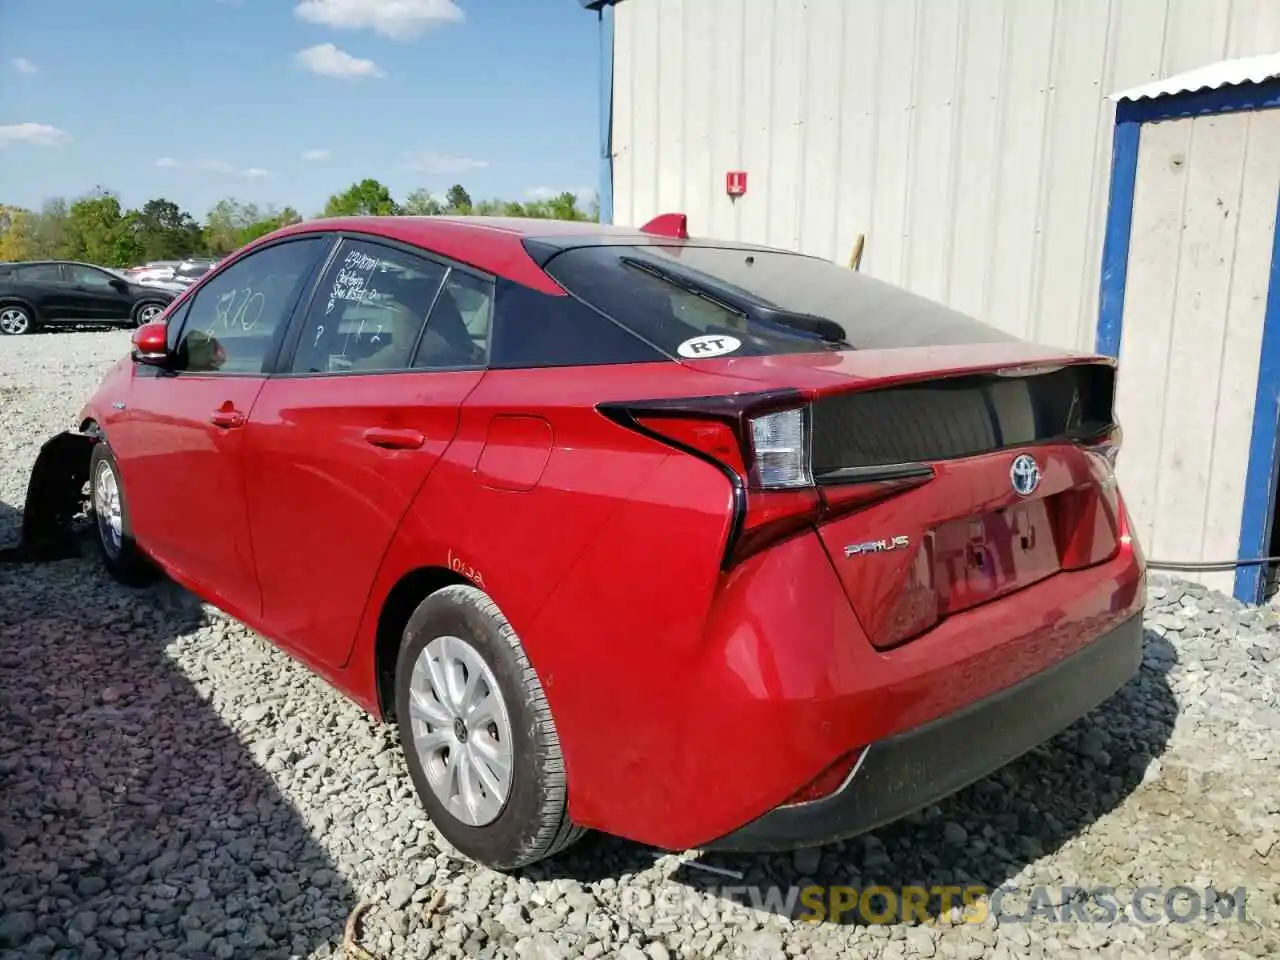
(13,290)
(608,505)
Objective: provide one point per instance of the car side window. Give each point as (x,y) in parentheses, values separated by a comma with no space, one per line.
(368,311)
(41,273)
(87,276)
(457,333)
(235,320)
(535,329)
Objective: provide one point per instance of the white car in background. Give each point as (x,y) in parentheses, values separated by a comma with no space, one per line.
(176,286)
(173,286)
(174,275)
(193,268)
(154,270)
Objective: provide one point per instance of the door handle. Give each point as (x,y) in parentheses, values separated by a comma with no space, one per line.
(392,439)
(227,417)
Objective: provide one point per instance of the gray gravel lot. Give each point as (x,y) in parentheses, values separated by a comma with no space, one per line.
(172,785)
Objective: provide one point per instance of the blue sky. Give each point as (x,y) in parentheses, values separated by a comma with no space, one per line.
(288,101)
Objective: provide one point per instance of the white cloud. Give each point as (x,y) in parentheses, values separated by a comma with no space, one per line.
(441,163)
(23,65)
(214,166)
(584,194)
(36,134)
(315,154)
(328,61)
(397,19)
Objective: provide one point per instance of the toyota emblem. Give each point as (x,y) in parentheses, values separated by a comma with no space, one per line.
(1024,474)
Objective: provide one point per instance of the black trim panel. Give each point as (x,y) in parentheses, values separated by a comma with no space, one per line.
(966,415)
(890,471)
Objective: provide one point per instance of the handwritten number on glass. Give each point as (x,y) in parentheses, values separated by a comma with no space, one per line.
(352,281)
(237,308)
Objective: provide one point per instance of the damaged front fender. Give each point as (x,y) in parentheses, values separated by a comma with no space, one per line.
(55,497)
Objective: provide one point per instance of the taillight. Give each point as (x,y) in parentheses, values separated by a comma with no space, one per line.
(1106,450)
(780,448)
(1088,518)
(761,442)
(706,437)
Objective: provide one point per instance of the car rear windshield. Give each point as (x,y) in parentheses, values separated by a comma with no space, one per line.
(706,301)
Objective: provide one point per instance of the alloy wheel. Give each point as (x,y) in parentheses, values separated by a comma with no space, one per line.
(14,321)
(107,509)
(461,730)
(149,313)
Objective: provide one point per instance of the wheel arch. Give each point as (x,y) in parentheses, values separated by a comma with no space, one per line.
(13,300)
(409,591)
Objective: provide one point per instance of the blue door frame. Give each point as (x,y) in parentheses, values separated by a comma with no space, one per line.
(1260,480)
(604,189)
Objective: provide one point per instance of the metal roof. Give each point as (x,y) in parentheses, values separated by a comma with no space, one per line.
(1215,76)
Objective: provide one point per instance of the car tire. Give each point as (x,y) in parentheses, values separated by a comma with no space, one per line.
(16,319)
(146,311)
(460,626)
(109,511)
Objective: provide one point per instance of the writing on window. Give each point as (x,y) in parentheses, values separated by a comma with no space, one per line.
(369,312)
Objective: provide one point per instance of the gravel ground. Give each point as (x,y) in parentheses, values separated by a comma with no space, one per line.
(172,785)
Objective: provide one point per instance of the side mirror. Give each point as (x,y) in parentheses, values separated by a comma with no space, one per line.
(119,284)
(151,344)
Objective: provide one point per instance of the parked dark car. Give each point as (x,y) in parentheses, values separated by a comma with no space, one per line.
(37,292)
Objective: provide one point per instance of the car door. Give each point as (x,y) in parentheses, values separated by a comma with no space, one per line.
(340,441)
(43,285)
(93,294)
(181,447)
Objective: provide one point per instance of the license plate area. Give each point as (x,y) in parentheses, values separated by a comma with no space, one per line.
(979,558)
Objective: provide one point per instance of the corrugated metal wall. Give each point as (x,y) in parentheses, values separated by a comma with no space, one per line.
(970,140)
(1204,215)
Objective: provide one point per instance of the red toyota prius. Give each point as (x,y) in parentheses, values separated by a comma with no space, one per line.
(703,544)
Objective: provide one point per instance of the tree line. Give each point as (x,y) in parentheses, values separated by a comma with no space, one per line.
(97,228)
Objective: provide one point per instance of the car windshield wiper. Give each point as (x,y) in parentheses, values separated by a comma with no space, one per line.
(826,330)
(681,282)
(765,314)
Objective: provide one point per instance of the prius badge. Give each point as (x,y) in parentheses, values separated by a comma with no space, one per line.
(876,546)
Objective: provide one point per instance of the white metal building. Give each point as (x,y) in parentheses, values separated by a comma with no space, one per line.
(977,147)
(969,140)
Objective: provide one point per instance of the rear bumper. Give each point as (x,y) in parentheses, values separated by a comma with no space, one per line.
(909,770)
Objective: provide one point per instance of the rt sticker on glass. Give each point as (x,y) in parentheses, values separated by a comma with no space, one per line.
(708,345)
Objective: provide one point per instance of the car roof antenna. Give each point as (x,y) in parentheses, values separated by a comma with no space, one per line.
(668,225)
